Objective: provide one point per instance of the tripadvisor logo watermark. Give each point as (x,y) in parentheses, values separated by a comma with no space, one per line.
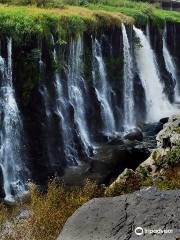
(140,231)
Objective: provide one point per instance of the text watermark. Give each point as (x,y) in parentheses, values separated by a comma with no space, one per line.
(140,231)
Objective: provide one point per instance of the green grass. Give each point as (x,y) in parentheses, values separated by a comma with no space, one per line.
(59,18)
(28,20)
(141,12)
(138,15)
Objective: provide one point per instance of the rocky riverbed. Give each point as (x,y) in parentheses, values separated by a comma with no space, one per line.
(114,154)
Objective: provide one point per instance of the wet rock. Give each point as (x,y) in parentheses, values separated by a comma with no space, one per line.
(117,140)
(134,134)
(2,193)
(164,120)
(107,163)
(151,129)
(112,156)
(118,217)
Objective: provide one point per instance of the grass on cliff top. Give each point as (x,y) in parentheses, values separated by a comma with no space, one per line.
(140,12)
(63,19)
(19,20)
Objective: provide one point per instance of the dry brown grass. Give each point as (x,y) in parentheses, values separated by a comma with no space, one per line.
(51,210)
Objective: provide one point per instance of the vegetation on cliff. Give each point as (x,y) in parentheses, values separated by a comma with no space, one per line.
(18,21)
(69,16)
(140,11)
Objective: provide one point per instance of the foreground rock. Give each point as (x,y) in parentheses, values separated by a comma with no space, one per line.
(117,218)
(167,153)
(134,134)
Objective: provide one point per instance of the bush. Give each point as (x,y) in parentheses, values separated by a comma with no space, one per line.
(50,210)
(173,156)
(170,179)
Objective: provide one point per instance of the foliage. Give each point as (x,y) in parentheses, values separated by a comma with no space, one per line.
(127,183)
(19,21)
(3,215)
(50,210)
(58,17)
(143,171)
(177,130)
(141,12)
(171,179)
(173,156)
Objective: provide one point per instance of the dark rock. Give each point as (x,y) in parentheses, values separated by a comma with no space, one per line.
(134,134)
(115,140)
(75,176)
(2,193)
(118,217)
(107,163)
(151,129)
(164,120)
(166,142)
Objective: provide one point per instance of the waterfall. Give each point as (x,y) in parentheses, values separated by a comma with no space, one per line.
(128,77)
(62,109)
(170,65)
(102,88)
(157,104)
(11,156)
(77,92)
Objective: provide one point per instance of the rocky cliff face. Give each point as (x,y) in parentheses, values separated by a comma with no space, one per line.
(36,91)
(80,98)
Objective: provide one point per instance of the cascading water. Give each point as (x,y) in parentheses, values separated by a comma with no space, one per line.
(170,65)
(157,104)
(77,92)
(148,32)
(62,109)
(129,120)
(11,154)
(102,88)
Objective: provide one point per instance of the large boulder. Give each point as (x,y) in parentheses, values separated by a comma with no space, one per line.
(156,213)
(134,134)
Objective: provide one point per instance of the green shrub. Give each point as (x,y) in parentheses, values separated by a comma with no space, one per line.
(173,156)
(144,172)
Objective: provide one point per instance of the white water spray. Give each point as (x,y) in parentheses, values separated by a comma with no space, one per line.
(62,108)
(170,65)
(148,32)
(129,120)
(102,89)
(11,160)
(77,92)
(157,104)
